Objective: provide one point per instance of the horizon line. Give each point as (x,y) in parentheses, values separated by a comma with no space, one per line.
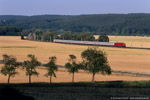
(72,14)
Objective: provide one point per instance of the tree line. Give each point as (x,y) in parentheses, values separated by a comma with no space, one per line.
(94,61)
(49,35)
(10,30)
(108,24)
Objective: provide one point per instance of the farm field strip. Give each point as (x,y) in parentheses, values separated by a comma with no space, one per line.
(64,76)
(120,59)
(131,41)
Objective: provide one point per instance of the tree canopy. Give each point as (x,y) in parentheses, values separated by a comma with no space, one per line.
(10,65)
(95,61)
(30,66)
(68,35)
(108,24)
(51,67)
(103,38)
(72,65)
(10,30)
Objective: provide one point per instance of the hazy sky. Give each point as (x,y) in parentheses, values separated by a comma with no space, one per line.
(72,7)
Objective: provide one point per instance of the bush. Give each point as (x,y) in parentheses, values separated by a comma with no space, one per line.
(103,38)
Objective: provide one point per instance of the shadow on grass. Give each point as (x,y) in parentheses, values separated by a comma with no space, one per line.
(103,90)
(9,93)
(110,84)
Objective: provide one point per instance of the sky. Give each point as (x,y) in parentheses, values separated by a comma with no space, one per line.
(72,7)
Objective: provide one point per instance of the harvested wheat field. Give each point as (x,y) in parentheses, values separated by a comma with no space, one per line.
(131,41)
(120,59)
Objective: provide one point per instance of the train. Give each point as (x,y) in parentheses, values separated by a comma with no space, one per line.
(95,43)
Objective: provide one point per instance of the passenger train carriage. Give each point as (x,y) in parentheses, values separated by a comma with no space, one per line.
(116,44)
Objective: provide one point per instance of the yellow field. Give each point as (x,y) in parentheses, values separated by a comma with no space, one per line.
(120,59)
(131,41)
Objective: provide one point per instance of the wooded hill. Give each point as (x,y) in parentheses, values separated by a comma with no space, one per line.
(112,24)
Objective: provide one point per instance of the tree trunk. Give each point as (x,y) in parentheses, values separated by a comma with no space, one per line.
(8,78)
(29,79)
(72,77)
(93,77)
(50,79)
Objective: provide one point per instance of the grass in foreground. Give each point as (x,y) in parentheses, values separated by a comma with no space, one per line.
(109,90)
(110,84)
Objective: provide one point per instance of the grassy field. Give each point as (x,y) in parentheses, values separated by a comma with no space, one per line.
(120,59)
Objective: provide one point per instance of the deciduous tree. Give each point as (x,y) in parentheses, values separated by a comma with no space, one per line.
(30,66)
(10,65)
(103,38)
(51,68)
(72,66)
(95,61)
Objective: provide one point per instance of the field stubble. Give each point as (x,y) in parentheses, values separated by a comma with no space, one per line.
(120,59)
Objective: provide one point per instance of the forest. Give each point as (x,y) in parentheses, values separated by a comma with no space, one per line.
(106,24)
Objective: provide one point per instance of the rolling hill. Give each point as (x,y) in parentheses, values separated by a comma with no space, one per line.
(112,24)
